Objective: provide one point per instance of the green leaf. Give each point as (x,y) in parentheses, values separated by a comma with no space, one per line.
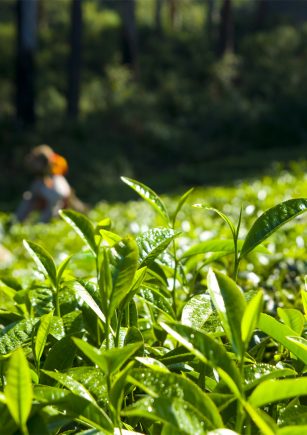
(118,387)
(222,215)
(92,379)
(87,298)
(41,336)
(149,195)
(196,311)
(153,242)
(293,430)
(74,406)
(60,356)
(159,383)
(41,300)
(271,220)
(299,341)
(225,246)
(304,298)
(230,304)
(175,412)
(16,335)
(251,317)
(280,333)
(275,390)
(110,237)
(154,298)
(108,360)
(62,267)
(83,227)
(262,420)
(137,282)
(125,264)
(71,384)
(43,260)
(18,389)
(256,373)
(204,347)
(181,202)
(292,318)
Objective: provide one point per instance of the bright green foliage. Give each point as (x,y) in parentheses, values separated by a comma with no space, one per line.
(18,390)
(165,327)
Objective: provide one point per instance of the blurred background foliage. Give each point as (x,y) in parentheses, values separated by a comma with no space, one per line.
(173,93)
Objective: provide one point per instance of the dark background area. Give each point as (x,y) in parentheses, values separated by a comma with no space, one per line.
(174,93)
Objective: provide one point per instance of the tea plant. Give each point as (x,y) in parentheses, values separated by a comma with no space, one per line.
(153,333)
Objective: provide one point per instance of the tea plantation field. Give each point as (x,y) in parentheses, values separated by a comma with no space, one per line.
(164,315)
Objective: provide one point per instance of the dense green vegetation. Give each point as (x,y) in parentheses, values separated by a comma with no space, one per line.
(159,317)
(191,113)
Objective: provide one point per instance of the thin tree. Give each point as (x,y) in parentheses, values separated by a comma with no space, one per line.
(26,12)
(129,35)
(226,29)
(74,62)
(158,13)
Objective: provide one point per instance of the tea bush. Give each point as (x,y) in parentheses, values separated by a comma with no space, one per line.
(163,316)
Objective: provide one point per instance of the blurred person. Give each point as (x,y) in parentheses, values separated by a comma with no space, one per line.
(49,191)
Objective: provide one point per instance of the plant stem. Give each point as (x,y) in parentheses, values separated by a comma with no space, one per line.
(240,414)
(174,295)
(57,302)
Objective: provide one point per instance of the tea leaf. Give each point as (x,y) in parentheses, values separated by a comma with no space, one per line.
(251,316)
(175,412)
(108,360)
(271,220)
(16,335)
(92,379)
(43,261)
(71,384)
(153,242)
(292,318)
(157,300)
(300,341)
(18,389)
(196,311)
(280,333)
(205,348)
(226,246)
(88,299)
(222,215)
(275,390)
(149,195)
(172,385)
(83,227)
(230,305)
(60,357)
(124,268)
(180,204)
(256,373)
(62,267)
(74,406)
(293,430)
(117,389)
(41,336)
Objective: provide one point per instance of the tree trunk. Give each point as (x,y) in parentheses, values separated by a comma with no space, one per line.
(210,10)
(158,21)
(25,68)
(226,40)
(261,14)
(74,63)
(129,35)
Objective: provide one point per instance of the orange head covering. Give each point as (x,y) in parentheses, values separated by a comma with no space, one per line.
(59,165)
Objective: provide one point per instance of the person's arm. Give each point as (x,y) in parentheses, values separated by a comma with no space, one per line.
(25,207)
